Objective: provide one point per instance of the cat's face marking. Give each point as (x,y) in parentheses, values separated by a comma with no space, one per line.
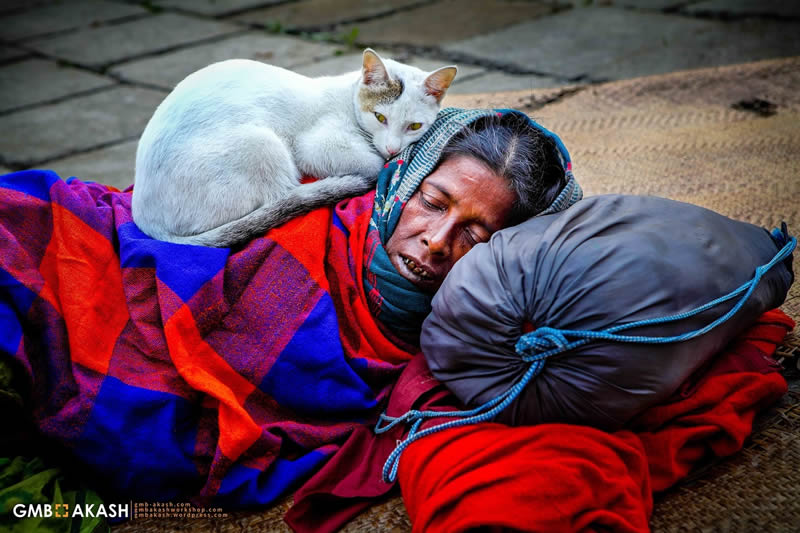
(370,96)
(397,103)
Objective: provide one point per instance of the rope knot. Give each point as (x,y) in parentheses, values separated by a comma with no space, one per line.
(541,343)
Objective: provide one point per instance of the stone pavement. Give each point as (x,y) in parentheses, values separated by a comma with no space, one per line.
(80,78)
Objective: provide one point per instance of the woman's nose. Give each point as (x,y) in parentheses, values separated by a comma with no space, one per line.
(438,240)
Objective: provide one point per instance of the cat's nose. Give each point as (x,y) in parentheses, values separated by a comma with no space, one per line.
(391,150)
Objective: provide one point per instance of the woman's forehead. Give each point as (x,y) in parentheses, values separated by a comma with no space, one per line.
(461,170)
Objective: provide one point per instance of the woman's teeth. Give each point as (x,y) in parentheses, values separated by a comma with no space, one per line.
(412,266)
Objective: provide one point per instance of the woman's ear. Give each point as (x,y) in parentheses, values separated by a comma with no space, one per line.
(373,71)
(438,81)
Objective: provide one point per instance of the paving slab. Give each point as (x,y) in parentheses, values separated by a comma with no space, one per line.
(35,81)
(14,6)
(312,14)
(214,7)
(82,123)
(114,165)
(500,81)
(351,61)
(8,53)
(168,69)
(338,64)
(632,43)
(101,46)
(658,5)
(777,8)
(64,16)
(446,21)
(429,65)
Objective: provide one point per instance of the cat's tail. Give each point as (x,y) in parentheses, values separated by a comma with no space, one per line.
(299,201)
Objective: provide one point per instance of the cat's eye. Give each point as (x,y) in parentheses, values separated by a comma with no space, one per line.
(380,118)
(414,126)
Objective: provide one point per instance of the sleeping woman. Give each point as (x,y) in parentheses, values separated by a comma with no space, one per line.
(229,376)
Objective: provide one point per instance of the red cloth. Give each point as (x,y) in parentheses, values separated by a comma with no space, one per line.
(555,477)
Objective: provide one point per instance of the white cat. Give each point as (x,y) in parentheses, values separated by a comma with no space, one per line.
(221,159)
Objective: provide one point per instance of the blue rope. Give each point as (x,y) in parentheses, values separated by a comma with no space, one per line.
(544,342)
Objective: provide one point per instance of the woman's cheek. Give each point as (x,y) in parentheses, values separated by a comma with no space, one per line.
(461,247)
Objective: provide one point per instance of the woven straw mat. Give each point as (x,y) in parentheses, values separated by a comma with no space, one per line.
(724,138)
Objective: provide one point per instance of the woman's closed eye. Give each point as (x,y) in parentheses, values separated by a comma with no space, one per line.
(429,202)
(472,240)
(474,237)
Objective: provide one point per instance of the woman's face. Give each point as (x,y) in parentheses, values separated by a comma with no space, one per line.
(457,206)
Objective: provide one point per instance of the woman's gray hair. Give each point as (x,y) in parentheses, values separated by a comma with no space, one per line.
(511,147)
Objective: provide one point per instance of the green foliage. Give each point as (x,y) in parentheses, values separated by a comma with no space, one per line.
(350,37)
(274,26)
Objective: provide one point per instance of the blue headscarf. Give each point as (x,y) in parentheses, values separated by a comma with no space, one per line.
(393,299)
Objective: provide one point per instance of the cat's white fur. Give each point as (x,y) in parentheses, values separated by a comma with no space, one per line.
(222,157)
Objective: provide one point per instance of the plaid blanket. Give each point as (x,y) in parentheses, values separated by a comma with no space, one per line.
(180,372)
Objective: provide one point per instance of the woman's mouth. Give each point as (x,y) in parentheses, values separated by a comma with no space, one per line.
(415,269)
(427,278)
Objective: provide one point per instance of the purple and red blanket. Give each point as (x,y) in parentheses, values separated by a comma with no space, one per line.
(180,372)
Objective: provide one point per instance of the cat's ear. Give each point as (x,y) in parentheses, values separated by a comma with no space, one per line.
(438,81)
(373,71)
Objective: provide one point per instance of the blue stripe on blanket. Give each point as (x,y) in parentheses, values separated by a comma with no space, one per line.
(244,486)
(142,440)
(32,182)
(182,267)
(324,383)
(15,301)
(337,222)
